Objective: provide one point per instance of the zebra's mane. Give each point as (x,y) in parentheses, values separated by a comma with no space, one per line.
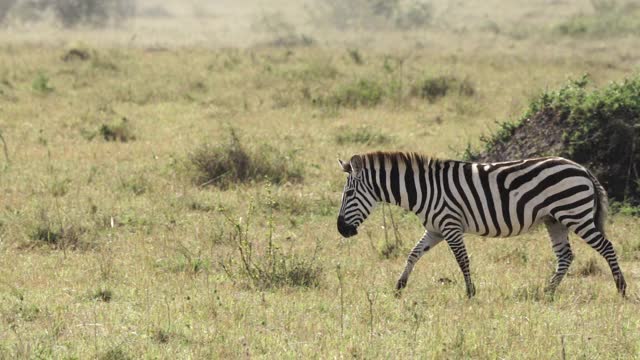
(400,156)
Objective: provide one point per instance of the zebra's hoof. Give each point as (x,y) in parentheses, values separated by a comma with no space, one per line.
(621,284)
(401,284)
(471,291)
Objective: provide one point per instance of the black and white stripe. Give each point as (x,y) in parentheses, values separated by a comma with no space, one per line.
(493,199)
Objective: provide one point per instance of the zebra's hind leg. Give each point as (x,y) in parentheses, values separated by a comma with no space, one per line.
(562,248)
(454,238)
(428,241)
(587,230)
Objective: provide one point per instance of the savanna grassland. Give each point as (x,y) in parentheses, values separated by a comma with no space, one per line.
(169,188)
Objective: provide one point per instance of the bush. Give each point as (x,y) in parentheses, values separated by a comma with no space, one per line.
(599,129)
(230,163)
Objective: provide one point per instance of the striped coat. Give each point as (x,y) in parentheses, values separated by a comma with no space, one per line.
(493,199)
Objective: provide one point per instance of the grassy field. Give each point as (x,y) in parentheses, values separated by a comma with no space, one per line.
(113,246)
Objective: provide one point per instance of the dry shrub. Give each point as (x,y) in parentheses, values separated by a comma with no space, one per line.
(231,163)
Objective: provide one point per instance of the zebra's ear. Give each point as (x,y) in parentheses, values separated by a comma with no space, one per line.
(346,167)
(356,164)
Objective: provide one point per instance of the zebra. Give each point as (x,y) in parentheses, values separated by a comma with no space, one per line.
(500,199)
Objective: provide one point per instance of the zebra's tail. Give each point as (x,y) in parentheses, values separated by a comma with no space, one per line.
(602,203)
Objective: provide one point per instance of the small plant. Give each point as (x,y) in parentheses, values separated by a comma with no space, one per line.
(41,84)
(161,336)
(388,250)
(271,268)
(104,295)
(115,353)
(591,268)
(57,237)
(117,131)
(355,55)
(529,293)
(137,185)
(60,187)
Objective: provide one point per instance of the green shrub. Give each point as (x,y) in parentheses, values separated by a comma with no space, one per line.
(41,84)
(599,129)
(230,163)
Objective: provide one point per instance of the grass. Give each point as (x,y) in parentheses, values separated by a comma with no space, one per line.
(159,242)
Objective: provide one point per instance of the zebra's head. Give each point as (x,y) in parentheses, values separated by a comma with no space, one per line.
(357,198)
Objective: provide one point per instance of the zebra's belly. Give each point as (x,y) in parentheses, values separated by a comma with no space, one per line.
(506,231)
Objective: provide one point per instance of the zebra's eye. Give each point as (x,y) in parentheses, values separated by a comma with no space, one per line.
(349,192)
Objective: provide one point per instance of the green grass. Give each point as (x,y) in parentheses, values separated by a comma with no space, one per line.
(114,250)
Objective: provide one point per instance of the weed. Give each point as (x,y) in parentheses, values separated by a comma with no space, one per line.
(388,250)
(117,131)
(590,268)
(115,353)
(230,163)
(161,336)
(41,84)
(104,295)
(28,312)
(57,237)
(529,293)
(137,184)
(60,187)
(356,57)
(76,54)
(272,268)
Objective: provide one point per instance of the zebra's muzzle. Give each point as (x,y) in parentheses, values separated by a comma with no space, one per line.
(345,229)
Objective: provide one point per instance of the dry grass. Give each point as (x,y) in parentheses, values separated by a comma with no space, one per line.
(152,283)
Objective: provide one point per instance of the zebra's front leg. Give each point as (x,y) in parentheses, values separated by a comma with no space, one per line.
(428,241)
(454,238)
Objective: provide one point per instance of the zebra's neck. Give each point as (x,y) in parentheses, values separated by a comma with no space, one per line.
(405,179)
